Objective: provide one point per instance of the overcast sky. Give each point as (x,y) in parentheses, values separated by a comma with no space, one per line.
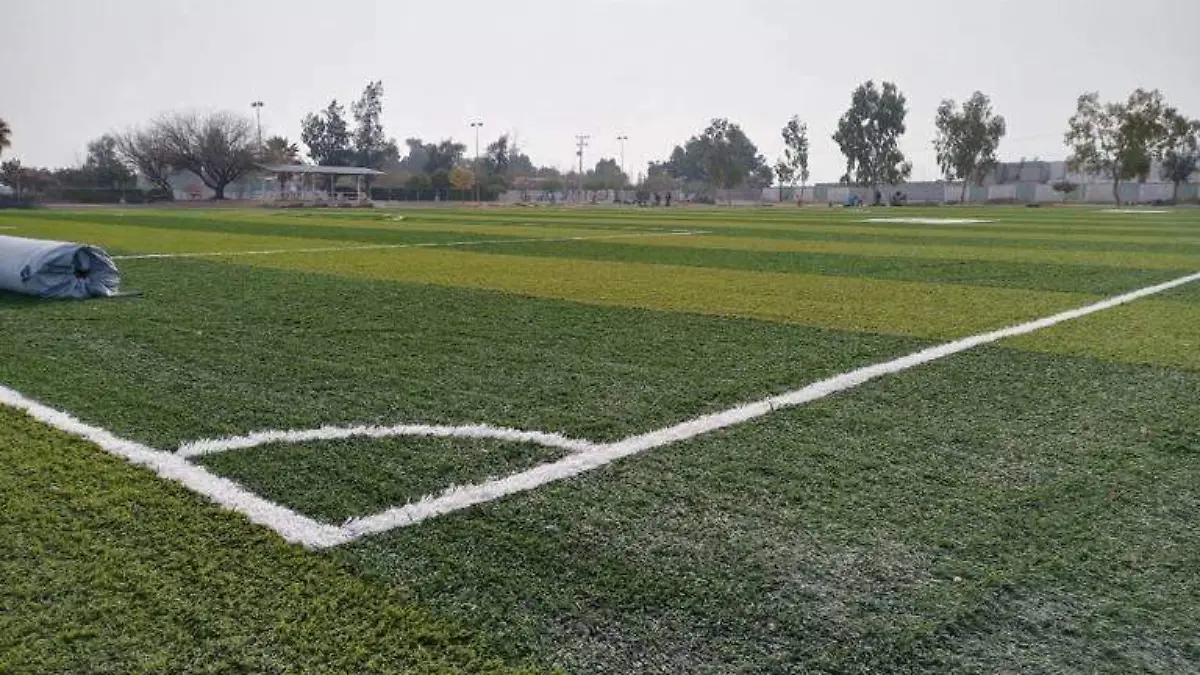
(546,70)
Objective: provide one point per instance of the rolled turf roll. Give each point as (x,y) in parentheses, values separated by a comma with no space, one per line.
(56,269)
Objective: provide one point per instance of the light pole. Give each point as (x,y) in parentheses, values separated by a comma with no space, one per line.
(475,170)
(622,138)
(257,105)
(581,142)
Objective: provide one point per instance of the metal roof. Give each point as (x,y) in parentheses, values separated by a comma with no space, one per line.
(322,170)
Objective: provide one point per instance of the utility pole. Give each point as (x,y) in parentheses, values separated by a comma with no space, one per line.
(476,126)
(257,105)
(581,142)
(622,138)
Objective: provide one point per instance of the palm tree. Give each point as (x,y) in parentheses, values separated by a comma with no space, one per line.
(5,136)
(279,150)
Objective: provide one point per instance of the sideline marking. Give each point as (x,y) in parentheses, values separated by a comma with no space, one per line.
(1134,211)
(376,247)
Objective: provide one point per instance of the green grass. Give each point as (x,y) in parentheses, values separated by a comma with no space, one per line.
(336,480)
(107,569)
(1025,507)
(266,349)
(999,512)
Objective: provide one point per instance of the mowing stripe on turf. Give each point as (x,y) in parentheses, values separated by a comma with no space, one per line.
(587,456)
(297,528)
(375,247)
(461,497)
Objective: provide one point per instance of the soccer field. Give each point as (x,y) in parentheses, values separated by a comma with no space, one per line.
(608,441)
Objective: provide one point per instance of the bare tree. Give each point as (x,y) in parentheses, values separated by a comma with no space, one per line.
(146,151)
(219,148)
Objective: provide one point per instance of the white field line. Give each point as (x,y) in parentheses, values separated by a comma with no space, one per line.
(329,433)
(379,247)
(461,497)
(586,456)
(8,227)
(290,525)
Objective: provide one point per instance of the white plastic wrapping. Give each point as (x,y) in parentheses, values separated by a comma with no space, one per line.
(56,269)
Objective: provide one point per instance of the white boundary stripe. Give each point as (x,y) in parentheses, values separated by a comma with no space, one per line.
(461,497)
(378,247)
(329,433)
(290,525)
(294,527)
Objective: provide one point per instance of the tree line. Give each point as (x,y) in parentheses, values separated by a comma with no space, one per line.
(1119,140)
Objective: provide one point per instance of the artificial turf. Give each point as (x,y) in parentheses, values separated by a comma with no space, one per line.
(1028,506)
(998,512)
(106,569)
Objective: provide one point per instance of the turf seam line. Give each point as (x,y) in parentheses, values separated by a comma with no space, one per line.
(379,247)
(290,525)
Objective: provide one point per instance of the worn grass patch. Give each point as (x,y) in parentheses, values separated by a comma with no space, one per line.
(107,569)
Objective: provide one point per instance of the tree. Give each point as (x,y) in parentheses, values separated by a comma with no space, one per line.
(5,136)
(146,151)
(371,148)
(440,159)
(606,175)
(494,165)
(721,156)
(219,148)
(327,136)
(1117,139)
(1180,150)
(868,135)
(417,156)
(462,178)
(103,166)
(966,140)
(11,173)
(279,150)
(794,164)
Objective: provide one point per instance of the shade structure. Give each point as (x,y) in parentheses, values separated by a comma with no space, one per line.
(56,269)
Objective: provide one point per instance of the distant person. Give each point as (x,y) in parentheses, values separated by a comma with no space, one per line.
(668,199)
(657,199)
